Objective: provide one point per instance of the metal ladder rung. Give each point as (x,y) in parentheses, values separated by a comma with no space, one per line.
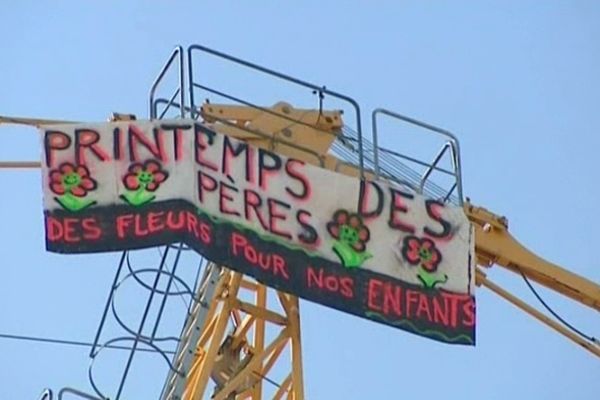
(194,327)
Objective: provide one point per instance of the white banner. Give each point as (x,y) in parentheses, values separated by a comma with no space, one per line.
(359,225)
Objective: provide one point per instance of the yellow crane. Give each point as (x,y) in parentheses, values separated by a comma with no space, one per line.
(239,360)
(493,243)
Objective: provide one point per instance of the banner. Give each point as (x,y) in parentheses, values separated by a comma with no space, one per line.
(369,248)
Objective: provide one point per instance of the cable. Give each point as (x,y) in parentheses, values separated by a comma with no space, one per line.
(110,346)
(72,342)
(558,317)
(266,378)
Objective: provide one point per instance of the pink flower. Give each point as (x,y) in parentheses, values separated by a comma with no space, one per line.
(421,251)
(69,178)
(349,228)
(149,175)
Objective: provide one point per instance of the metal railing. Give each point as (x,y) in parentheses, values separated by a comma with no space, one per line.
(452,146)
(76,393)
(367,157)
(321,90)
(178,55)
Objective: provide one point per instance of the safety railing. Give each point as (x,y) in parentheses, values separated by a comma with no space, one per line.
(75,393)
(367,157)
(46,395)
(316,89)
(144,336)
(386,161)
(176,56)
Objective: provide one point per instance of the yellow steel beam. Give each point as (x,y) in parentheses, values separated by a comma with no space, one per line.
(37,122)
(270,362)
(246,284)
(297,372)
(280,115)
(284,388)
(20,164)
(237,316)
(215,112)
(495,245)
(242,330)
(198,383)
(484,281)
(200,354)
(259,338)
(281,128)
(253,320)
(285,302)
(251,366)
(260,312)
(210,328)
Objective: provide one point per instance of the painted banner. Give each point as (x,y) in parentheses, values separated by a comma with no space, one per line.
(369,248)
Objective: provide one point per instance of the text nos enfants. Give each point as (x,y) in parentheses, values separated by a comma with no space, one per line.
(249,183)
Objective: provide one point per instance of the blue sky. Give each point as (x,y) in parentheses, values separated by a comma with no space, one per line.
(516,80)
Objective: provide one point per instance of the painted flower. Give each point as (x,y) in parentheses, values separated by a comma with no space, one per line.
(421,252)
(73,179)
(349,228)
(148,175)
(351,236)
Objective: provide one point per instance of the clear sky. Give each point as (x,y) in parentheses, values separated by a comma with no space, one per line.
(517,81)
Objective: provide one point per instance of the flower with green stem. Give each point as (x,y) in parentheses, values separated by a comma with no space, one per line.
(141,181)
(71,183)
(424,253)
(351,237)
